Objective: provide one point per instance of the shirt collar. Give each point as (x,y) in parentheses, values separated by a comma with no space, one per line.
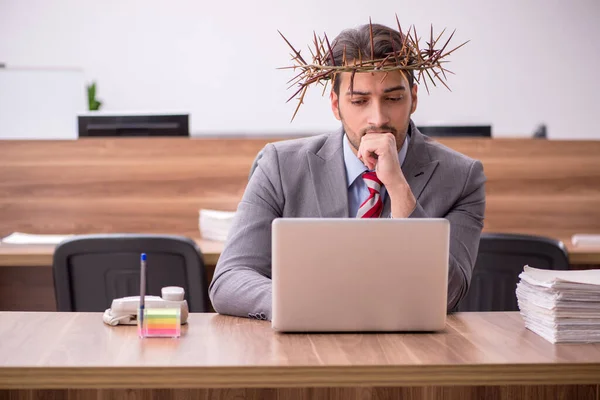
(355,167)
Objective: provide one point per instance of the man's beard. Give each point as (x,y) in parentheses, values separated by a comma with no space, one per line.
(373,128)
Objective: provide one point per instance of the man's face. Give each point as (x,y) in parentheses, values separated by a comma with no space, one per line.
(376,105)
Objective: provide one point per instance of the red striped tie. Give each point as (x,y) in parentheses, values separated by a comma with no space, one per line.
(372,206)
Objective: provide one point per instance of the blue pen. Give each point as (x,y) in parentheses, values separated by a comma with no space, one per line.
(142,291)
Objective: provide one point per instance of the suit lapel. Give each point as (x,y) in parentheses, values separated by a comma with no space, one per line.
(327,172)
(417,168)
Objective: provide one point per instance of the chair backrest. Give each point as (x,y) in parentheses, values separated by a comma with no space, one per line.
(457,131)
(92,270)
(255,163)
(500,260)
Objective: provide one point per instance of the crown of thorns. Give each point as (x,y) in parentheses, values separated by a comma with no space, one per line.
(428,61)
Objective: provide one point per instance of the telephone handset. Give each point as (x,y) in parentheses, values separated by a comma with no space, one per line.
(124,310)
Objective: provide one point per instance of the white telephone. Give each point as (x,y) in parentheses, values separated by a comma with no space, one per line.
(124,310)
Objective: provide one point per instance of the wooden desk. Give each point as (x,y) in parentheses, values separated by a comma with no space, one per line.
(26,282)
(479,355)
(584,255)
(20,255)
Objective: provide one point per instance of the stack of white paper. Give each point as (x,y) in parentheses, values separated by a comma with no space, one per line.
(561,306)
(214,225)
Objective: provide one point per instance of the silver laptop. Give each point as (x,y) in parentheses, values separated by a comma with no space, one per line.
(359,275)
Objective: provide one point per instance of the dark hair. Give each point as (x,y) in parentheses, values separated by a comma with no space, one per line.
(357,42)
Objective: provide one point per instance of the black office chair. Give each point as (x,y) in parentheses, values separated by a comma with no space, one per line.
(92,270)
(500,260)
(457,131)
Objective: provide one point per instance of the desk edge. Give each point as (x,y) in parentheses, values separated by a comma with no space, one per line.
(317,376)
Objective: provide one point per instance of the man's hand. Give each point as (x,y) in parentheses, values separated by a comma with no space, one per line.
(378,151)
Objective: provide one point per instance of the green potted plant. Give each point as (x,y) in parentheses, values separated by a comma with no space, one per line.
(93,103)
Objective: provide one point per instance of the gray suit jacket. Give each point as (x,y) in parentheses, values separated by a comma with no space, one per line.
(306,178)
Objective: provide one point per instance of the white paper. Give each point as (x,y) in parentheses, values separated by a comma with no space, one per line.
(27,238)
(217,214)
(584,240)
(550,278)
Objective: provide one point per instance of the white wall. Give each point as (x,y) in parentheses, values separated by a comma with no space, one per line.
(528,62)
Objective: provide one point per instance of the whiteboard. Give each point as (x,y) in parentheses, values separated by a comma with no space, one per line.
(41,103)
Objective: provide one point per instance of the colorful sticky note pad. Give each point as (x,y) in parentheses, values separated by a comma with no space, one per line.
(161,322)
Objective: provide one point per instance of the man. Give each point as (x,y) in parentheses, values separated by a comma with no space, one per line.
(380,165)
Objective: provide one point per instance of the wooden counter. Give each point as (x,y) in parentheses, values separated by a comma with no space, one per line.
(157,185)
